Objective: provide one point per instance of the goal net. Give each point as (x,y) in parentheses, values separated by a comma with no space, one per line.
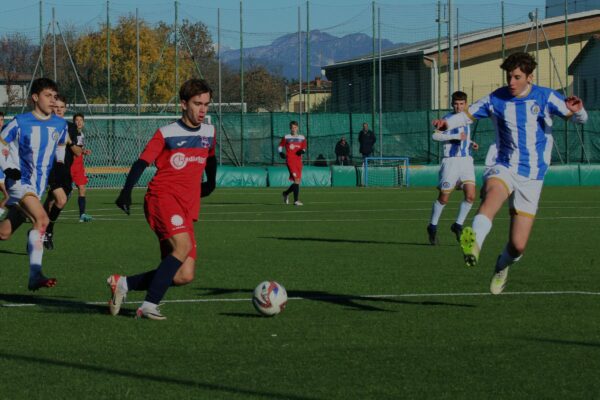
(385,171)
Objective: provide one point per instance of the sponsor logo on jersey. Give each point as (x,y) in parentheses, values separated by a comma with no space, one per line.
(293,146)
(179,160)
(179,144)
(54,134)
(176,220)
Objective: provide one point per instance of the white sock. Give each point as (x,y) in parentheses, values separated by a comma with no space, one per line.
(436,212)
(122,284)
(506,260)
(481,226)
(147,305)
(35,248)
(463,211)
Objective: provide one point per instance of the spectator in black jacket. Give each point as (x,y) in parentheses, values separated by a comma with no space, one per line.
(367,140)
(342,152)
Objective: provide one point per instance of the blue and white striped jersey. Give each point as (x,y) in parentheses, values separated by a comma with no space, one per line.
(32,145)
(453,146)
(523,126)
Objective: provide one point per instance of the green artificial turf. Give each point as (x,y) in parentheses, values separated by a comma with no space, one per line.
(374,311)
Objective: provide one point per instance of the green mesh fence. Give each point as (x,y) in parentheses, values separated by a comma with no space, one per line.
(117,142)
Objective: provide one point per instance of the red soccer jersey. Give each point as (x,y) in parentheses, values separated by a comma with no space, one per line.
(180,154)
(292,144)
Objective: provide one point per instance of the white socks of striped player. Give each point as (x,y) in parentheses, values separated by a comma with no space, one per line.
(35,248)
(463,211)
(436,212)
(481,226)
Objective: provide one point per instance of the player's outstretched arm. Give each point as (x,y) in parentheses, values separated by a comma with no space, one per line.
(211,177)
(124,199)
(575,105)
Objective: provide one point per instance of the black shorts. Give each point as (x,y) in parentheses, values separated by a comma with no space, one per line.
(64,184)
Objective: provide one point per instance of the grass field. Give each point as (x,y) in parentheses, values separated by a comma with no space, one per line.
(374,311)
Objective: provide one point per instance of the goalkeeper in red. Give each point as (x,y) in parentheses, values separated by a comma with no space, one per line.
(294,146)
(182,151)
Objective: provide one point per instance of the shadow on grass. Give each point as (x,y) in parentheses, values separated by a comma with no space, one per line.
(241,315)
(345,300)
(354,241)
(563,342)
(12,252)
(111,371)
(62,305)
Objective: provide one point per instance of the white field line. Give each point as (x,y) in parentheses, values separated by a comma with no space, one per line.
(357,297)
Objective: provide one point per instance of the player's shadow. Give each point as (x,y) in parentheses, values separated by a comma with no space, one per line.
(563,342)
(353,241)
(150,378)
(61,305)
(352,302)
(12,252)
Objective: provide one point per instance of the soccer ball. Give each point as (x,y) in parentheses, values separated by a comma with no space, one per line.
(269,298)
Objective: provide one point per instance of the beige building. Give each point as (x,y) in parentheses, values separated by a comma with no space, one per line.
(417,76)
(314,96)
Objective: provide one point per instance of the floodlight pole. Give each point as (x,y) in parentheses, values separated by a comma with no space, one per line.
(241,83)
(54,42)
(108,55)
(450,57)
(41,39)
(137,46)
(220,126)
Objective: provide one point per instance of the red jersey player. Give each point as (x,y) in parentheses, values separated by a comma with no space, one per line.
(182,151)
(295,146)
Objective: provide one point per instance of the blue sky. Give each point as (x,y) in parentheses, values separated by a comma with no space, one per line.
(265,20)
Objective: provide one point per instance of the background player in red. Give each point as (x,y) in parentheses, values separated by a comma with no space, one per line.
(294,145)
(181,151)
(78,175)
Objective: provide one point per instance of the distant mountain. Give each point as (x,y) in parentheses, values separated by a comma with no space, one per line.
(281,56)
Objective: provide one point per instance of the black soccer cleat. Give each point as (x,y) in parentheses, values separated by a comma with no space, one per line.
(457,229)
(432,233)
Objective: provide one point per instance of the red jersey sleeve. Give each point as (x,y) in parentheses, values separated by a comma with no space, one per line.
(154,147)
(282,142)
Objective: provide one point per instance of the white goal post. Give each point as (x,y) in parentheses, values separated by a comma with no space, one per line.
(386,171)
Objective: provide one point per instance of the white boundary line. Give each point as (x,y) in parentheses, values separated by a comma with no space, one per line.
(350,297)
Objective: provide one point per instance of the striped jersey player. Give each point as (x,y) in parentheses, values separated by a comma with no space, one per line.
(182,152)
(456,171)
(29,144)
(291,147)
(522,116)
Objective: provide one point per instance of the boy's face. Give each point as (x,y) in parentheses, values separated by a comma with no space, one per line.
(60,108)
(518,81)
(44,101)
(79,122)
(459,105)
(195,109)
(294,129)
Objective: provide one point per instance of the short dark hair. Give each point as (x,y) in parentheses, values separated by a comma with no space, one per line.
(293,123)
(194,87)
(78,115)
(62,98)
(459,96)
(524,61)
(1,113)
(38,85)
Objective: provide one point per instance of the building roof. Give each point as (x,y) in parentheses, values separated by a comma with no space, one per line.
(430,47)
(594,41)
